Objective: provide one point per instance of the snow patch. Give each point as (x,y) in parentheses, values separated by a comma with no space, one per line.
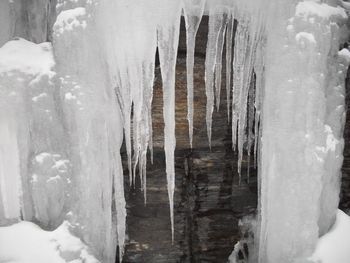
(70,19)
(27,57)
(345,55)
(308,9)
(335,245)
(25,242)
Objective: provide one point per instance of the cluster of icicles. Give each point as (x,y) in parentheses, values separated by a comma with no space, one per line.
(239,25)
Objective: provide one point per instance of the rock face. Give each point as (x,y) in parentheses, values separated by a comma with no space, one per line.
(209,201)
(345,189)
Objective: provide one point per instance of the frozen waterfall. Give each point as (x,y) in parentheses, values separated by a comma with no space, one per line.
(79,76)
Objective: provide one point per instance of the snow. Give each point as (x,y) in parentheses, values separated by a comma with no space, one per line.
(304,36)
(25,242)
(335,245)
(70,19)
(345,55)
(27,57)
(311,8)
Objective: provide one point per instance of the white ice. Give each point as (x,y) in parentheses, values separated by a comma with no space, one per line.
(25,242)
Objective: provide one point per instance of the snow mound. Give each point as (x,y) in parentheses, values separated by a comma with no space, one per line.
(70,19)
(334,247)
(345,55)
(27,57)
(308,9)
(25,242)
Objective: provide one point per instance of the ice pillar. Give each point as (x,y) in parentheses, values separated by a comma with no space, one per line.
(303,116)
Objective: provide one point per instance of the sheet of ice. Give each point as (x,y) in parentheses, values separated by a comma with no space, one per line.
(334,246)
(25,242)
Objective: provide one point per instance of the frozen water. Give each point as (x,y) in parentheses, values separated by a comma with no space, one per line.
(62,120)
(193,12)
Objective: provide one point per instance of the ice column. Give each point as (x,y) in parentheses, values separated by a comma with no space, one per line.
(92,117)
(303,116)
(30,129)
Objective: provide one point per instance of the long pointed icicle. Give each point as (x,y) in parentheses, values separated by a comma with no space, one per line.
(193,11)
(241,43)
(148,78)
(125,103)
(168,38)
(215,24)
(229,38)
(218,63)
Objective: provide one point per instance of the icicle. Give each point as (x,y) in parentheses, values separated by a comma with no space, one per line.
(247,37)
(117,171)
(168,37)
(240,50)
(218,63)
(193,11)
(125,103)
(250,120)
(146,128)
(229,38)
(259,87)
(217,20)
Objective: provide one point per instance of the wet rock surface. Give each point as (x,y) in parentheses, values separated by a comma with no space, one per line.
(345,189)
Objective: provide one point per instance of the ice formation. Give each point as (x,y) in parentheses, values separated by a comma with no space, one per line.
(65,106)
